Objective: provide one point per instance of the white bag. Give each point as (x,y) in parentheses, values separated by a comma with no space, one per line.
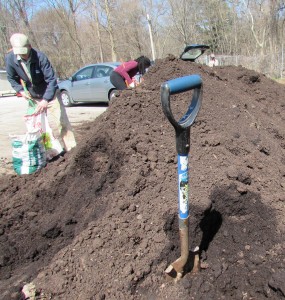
(28,153)
(40,123)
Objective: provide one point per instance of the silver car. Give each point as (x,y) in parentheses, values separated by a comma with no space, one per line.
(89,84)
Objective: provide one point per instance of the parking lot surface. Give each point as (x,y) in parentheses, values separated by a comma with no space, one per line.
(12,114)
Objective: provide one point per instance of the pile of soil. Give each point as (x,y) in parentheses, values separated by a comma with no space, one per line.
(101,222)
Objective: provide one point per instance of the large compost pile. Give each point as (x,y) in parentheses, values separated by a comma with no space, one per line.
(101,222)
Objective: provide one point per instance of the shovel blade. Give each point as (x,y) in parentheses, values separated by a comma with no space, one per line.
(176,270)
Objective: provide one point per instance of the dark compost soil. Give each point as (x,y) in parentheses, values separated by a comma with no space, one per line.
(101,223)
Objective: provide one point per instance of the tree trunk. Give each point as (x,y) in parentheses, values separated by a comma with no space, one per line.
(110,31)
(98,31)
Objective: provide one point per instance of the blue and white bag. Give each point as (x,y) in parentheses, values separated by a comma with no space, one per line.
(28,153)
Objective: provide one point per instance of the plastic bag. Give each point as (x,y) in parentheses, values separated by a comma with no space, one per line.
(40,123)
(28,153)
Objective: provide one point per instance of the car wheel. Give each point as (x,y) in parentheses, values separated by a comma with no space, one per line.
(113,94)
(65,98)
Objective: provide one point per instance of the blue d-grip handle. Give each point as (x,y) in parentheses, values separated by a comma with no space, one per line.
(182,127)
(182,130)
(184,84)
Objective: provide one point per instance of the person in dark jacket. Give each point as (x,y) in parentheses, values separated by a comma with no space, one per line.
(122,76)
(34,68)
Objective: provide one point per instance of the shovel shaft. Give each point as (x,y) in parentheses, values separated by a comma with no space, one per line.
(184,238)
(179,264)
(32,104)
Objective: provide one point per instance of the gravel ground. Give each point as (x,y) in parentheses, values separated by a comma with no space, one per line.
(12,123)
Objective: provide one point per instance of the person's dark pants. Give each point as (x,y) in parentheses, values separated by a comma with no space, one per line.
(118,81)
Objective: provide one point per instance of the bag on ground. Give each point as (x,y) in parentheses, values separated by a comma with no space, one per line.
(28,153)
(40,123)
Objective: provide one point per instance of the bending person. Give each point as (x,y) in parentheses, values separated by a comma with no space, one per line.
(122,76)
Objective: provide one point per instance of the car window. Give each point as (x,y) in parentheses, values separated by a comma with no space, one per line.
(102,71)
(86,73)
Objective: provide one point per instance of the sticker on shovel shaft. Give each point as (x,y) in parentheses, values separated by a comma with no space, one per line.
(183,187)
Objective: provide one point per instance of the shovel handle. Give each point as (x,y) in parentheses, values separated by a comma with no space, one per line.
(182,127)
(184,84)
(31,101)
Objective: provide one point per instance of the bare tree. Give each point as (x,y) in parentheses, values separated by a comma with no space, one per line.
(216,22)
(64,29)
(20,10)
(183,18)
(67,13)
(54,40)
(258,32)
(107,6)
(95,9)
(4,32)
(132,34)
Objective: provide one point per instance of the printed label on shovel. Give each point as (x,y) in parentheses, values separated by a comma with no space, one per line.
(183,187)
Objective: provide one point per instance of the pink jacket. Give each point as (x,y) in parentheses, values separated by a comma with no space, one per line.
(127,70)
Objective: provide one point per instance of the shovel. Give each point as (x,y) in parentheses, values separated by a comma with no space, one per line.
(32,104)
(182,130)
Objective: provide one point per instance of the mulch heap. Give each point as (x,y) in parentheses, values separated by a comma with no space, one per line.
(101,223)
